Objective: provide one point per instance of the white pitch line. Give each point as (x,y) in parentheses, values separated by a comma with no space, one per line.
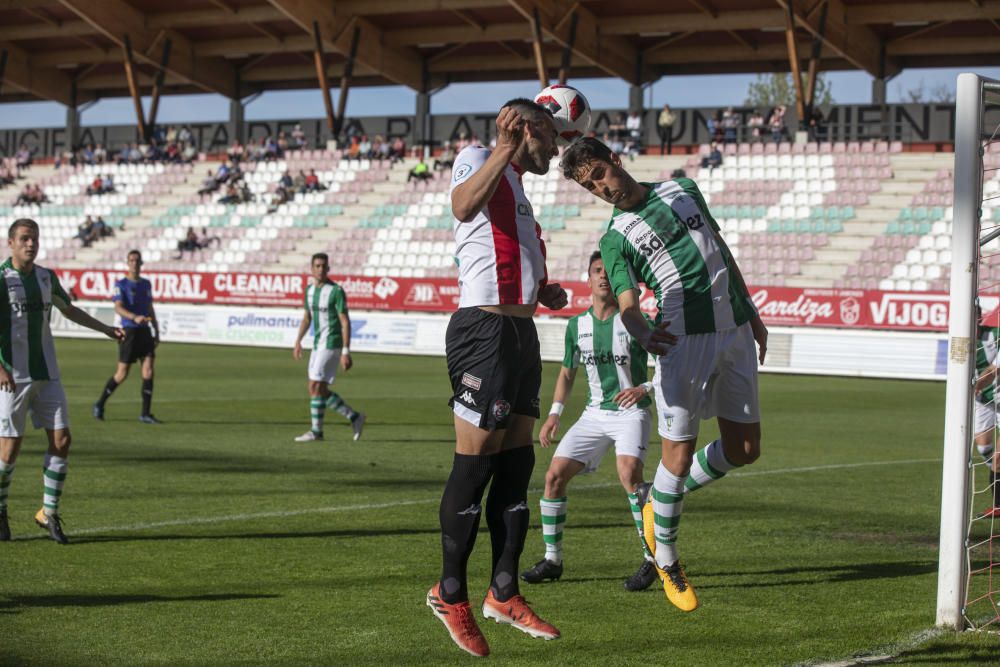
(882,654)
(371,506)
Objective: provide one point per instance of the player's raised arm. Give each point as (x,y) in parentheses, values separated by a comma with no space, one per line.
(74,314)
(482,177)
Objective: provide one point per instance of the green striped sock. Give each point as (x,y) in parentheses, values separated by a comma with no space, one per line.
(668,503)
(553,519)
(633,503)
(53,478)
(337,404)
(709,464)
(316,407)
(6,471)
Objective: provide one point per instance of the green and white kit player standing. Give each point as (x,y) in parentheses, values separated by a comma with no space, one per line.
(326,311)
(663,235)
(29,374)
(985,414)
(617,413)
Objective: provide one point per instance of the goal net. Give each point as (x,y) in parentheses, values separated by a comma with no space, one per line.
(969,557)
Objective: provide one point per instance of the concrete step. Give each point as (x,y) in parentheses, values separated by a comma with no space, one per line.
(809,281)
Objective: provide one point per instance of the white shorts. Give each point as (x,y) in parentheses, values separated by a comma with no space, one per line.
(985,417)
(323,365)
(707,375)
(593,434)
(46,401)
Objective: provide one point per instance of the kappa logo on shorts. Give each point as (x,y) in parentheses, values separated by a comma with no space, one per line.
(501,409)
(471,381)
(467,397)
(535,402)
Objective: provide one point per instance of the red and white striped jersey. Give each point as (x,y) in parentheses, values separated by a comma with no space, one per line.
(501,255)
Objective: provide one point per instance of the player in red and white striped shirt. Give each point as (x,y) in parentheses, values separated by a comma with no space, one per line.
(495,368)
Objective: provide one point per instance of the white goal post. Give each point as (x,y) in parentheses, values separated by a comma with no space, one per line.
(973,95)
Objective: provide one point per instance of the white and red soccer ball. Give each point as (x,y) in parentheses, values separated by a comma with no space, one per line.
(569,108)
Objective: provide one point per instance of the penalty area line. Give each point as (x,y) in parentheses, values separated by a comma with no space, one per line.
(278,514)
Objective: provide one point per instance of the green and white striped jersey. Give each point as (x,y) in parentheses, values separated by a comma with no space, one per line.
(26,347)
(613,359)
(986,355)
(325,303)
(670,243)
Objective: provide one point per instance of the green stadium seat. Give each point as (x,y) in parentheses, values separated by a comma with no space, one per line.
(893,228)
(908,228)
(847,213)
(904,215)
(834,227)
(923,228)
(935,214)
(920,214)
(803,226)
(788,226)
(774,226)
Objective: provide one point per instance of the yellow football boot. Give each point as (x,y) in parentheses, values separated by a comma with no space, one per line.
(677,587)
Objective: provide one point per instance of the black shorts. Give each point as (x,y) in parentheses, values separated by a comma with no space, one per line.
(138,344)
(495,367)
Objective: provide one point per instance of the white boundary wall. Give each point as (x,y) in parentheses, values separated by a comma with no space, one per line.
(851,353)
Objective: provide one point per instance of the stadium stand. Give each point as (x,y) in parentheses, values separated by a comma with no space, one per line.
(860,215)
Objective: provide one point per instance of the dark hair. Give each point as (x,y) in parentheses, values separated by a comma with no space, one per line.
(21,222)
(320,255)
(581,152)
(134,252)
(527,105)
(594,256)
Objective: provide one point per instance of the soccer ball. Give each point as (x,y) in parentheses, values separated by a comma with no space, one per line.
(569,108)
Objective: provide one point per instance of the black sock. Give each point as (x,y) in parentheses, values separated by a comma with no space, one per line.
(147,395)
(507,516)
(459,513)
(109,389)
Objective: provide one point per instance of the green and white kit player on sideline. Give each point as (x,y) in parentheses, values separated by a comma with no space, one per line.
(986,407)
(663,235)
(326,311)
(29,374)
(617,413)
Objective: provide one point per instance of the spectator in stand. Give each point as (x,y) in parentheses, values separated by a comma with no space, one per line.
(23,157)
(232,195)
(817,126)
(87,155)
(286,180)
(245,194)
(354,148)
(299,184)
(189,153)
(235,151)
(184,135)
(100,154)
(6,174)
(171,136)
(225,173)
(446,160)
(87,232)
(665,127)
(188,244)
(281,195)
(633,125)
(385,151)
(777,123)
(420,172)
(282,144)
(31,194)
(312,182)
(102,229)
(206,241)
(713,159)
(96,187)
(398,150)
(756,125)
(210,184)
(298,136)
(730,125)
(365,147)
(617,130)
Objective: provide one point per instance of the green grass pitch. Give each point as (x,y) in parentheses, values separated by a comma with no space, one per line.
(214,539)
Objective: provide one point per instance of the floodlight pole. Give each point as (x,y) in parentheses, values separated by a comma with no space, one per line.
(952,566)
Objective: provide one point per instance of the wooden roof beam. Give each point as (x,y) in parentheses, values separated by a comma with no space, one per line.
(399,65)
(46,83)
(115,19)
(615,55)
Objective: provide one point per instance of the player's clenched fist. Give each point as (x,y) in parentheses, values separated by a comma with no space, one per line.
(553,296)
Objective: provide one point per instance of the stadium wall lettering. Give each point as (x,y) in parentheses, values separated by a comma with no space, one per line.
(779,306)
(932,123)
(815,351)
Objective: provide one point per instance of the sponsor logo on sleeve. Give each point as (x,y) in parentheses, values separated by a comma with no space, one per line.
(471,381)
(461,171)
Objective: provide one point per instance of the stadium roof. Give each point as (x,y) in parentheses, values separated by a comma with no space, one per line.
(73,50)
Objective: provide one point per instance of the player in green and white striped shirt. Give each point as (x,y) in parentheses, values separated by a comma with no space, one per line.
(663,235)
(985,415)
(326,311)
(29,374)
(617,413)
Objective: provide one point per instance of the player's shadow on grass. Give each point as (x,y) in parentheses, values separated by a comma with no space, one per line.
(12,603)
(834,573)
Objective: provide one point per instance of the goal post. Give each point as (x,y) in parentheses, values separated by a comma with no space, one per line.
(973,94)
